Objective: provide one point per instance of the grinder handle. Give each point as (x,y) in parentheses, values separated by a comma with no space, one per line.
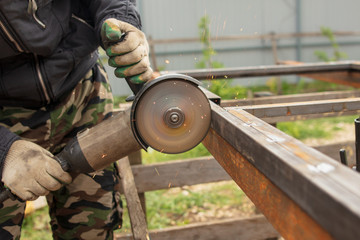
(135,87)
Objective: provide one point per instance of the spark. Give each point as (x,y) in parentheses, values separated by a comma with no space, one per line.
(225,76)
(167,61)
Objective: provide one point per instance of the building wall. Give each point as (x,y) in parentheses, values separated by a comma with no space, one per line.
(171,19)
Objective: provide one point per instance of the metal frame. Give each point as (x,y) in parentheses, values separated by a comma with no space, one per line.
(302,192)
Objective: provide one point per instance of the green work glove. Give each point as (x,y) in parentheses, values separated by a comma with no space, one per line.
(128,50)
(31,171)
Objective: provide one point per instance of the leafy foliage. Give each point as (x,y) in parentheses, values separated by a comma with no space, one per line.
(337,54)
(221,87)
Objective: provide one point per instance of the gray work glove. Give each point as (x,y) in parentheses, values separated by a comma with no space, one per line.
(128,50)
(31,171)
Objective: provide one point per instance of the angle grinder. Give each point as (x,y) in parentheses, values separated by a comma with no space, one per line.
(170,114)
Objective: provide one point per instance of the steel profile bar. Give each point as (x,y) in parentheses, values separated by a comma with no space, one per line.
(302,192)
(299,110)
(302,97)
(271,70)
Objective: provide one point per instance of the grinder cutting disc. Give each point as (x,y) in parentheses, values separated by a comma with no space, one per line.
(171,114)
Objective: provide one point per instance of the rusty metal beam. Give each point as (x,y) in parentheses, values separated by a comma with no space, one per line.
(280,112)
(302,192)
(272,70)
(350,77)
(302,97)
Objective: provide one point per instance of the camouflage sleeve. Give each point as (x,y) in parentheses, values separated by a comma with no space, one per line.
(6,139)
(123,10)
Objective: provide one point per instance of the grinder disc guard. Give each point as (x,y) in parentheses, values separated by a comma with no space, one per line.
(171,114)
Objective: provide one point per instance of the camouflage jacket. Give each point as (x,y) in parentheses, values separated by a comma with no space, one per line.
(47,46)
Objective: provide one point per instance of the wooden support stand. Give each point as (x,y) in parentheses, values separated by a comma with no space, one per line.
(137,216)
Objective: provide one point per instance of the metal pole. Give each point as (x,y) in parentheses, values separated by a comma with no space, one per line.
(298,29)
(343,157)
(357,143)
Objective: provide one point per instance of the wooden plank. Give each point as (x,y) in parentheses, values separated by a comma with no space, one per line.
(136,214)
(291,98)
(178,173)
(135,159)
(251,228)
(291,183)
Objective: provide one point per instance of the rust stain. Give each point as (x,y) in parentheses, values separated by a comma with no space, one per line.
(288,113)
(298,152)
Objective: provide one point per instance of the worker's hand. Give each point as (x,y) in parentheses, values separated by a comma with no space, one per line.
(31,171)
(128,50)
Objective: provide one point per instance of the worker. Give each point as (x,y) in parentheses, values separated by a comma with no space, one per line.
(51,87)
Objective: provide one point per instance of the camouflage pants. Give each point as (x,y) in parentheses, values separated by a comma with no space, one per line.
(89,207)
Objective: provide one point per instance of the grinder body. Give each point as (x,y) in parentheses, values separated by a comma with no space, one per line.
(170,114)
(97,147)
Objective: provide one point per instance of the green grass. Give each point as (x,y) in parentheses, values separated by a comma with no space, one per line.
(152,156)
(315,128)
(169,207)
(37,226)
